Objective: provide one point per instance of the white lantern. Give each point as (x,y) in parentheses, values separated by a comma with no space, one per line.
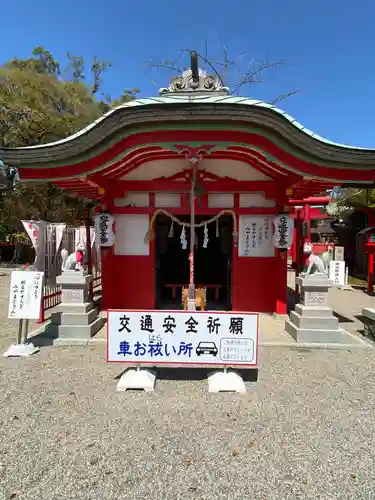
(283,234)
(105,229)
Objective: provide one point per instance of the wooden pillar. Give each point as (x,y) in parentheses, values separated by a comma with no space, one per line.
(282,265)
(299,246)
(88,246)
(107,255)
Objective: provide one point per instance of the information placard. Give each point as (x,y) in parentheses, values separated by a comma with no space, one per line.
(255,236)
(182,337)
(25,294)
(337,272)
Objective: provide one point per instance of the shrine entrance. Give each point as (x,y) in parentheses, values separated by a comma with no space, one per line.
(212,265)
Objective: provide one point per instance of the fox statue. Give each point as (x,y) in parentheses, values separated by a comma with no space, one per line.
(316,263)
(74,261)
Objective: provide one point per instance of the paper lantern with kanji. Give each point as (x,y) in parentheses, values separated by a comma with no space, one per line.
(283,231)
(105,229)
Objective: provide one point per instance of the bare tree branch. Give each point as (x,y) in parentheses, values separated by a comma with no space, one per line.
(281,97)
(224,66)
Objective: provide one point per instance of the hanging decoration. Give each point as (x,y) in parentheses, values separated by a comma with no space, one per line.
(150,235)
(205,239)
(105,229)
(183,238)
(171,234)
(283,234)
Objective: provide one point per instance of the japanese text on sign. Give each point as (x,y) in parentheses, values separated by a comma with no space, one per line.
(25,295)
(255,236)
(283,236)
(105,229)
(337,272)
(162,337)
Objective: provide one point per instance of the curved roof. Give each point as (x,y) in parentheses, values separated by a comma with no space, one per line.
(207,108)
(160,127)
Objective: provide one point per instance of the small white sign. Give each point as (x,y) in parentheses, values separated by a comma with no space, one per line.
(105,229)
(255,236)
(25,295)
(180,337)
(337,272)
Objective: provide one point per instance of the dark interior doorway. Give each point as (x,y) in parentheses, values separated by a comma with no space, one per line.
(212,266)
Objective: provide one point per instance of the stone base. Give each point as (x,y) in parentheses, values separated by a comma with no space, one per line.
(75,331)
(76,318)
(71,308)
(369,322)
(310,335)
(328,322)
(313,320)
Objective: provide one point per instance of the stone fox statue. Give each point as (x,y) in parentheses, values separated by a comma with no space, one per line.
(74,261)
(316,263)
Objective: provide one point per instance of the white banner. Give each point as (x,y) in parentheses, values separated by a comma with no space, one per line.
(25,295)
(283,234)
(255,236)
(180,337)
(337,272)
(105,229)
(37,234)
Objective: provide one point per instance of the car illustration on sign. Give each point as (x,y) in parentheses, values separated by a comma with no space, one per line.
(206,348)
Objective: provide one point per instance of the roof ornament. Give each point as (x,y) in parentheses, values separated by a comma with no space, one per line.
(195,81)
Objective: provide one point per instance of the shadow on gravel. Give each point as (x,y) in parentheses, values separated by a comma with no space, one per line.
(342,319)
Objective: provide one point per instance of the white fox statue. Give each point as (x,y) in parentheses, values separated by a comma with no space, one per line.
(316,263)
(74,261)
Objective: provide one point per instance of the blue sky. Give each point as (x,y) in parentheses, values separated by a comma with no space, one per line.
(327,46)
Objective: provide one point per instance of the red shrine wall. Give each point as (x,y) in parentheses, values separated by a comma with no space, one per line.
(259,284)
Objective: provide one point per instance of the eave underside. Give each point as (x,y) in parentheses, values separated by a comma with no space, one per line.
(93,172)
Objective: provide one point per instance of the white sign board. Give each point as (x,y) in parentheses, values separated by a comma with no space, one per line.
(337,272)
(255,236)
(25,295)
(180,337)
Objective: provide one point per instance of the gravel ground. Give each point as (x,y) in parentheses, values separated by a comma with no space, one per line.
(305,430)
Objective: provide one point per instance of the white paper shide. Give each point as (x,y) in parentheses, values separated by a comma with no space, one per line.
(105,229)
(175,337)
(25,295)
(283,231)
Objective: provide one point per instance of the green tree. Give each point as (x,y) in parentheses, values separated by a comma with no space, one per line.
(39,103)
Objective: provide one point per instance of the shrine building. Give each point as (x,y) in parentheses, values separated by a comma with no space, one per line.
(249,162)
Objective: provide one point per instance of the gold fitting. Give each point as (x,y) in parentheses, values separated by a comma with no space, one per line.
(101,190)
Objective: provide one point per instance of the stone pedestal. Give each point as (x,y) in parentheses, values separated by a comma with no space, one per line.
(76,317)
(368,315)
(313,319)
